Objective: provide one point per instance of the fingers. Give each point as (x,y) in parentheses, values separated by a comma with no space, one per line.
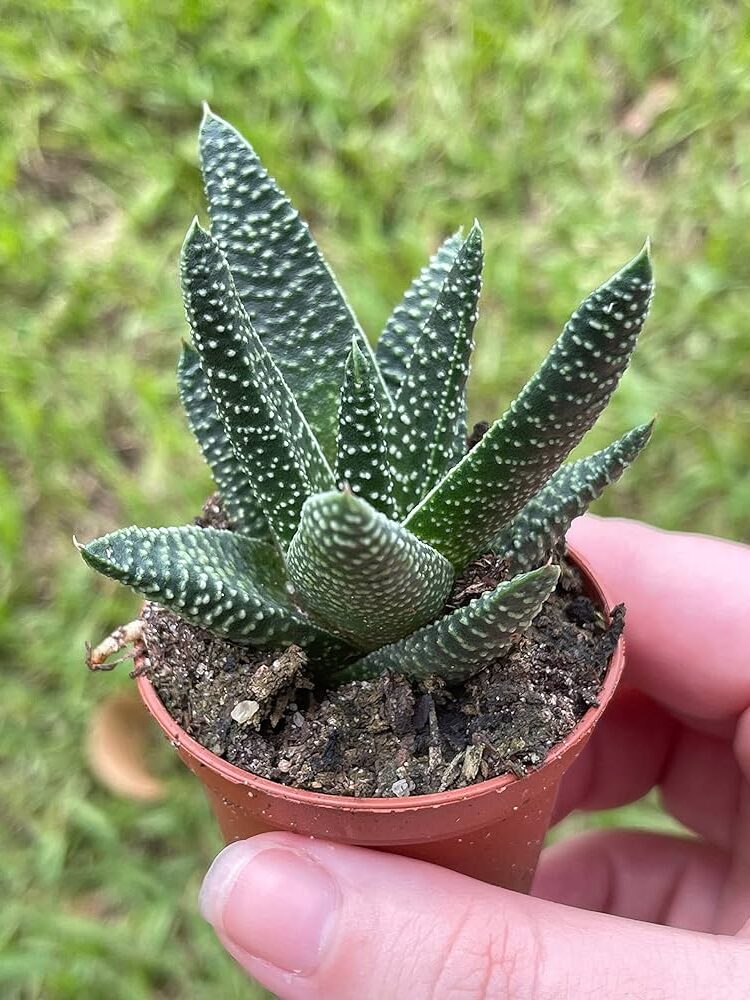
(701,787)
(687,627)
(742,743)
(643,876)
(638,746)
(313,920)
(625,757)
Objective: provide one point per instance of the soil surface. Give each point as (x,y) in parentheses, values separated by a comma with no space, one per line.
(388,736)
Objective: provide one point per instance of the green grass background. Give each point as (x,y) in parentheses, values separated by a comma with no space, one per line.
(389,123)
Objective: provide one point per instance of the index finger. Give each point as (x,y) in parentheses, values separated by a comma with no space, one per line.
(687,623)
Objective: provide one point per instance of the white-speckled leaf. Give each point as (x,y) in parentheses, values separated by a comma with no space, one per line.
(361,575)
(479,496)
(361,447)
(468,639)
(229,584)
(532,535)
(429,406)
(286,287)
(402,331)
(238,500)
(268,433)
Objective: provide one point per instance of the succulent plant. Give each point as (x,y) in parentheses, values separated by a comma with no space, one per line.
(343,471)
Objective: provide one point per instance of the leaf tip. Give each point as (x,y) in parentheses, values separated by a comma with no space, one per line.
(194,238)
(644,432)
(475,238)
(346,495)
(639,436)
(90,554)
(194,227)
(356,360)
(209,120)
(545,577)
(641,266)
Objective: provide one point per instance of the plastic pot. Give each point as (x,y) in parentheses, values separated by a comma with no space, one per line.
(492,831)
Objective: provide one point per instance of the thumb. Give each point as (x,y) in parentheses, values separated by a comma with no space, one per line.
(318,921)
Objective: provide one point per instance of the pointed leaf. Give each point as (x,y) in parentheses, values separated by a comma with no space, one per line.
(231,585)
(286,287)
(532,535)
(403,329)
(423,440)
(361,450)
(479,496)
(361,575)
(267,431)
(243,510)
(457,646)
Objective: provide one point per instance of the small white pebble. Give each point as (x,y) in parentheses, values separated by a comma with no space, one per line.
(244,711)
(400,788)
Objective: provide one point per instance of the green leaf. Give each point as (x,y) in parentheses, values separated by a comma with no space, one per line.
(404,327)
(457,646)
(430,401)
(361,448)
(224,582)
(268,433)
(240,504)
(479,496)
(361,575)
(532,535)
(286,287)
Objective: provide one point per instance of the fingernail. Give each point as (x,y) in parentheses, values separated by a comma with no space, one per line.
(274,903)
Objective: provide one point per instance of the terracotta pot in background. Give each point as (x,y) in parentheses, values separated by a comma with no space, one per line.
(492,831)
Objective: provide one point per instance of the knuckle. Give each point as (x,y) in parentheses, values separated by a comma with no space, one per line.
(489,961)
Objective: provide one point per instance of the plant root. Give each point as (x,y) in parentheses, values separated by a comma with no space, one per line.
(125,635)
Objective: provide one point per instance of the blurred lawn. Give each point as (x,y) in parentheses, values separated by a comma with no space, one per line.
(389,124)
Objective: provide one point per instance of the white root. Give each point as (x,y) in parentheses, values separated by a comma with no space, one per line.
(125,635)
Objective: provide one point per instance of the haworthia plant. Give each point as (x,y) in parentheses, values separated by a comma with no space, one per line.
(424,443)
(343,473)
(362,446)
(287,288)
(469,638)
(267,430)
(240,503)
(403,329)
(559,403)
(532,535)
(231,585)
(380,581)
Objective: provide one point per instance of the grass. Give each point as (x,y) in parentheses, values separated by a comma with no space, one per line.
(390,124)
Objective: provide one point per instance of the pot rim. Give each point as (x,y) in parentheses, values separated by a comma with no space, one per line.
(304,797)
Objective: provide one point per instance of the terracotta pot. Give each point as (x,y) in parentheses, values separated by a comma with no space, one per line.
(492,831)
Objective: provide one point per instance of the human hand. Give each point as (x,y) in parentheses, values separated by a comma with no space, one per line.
(622,915)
